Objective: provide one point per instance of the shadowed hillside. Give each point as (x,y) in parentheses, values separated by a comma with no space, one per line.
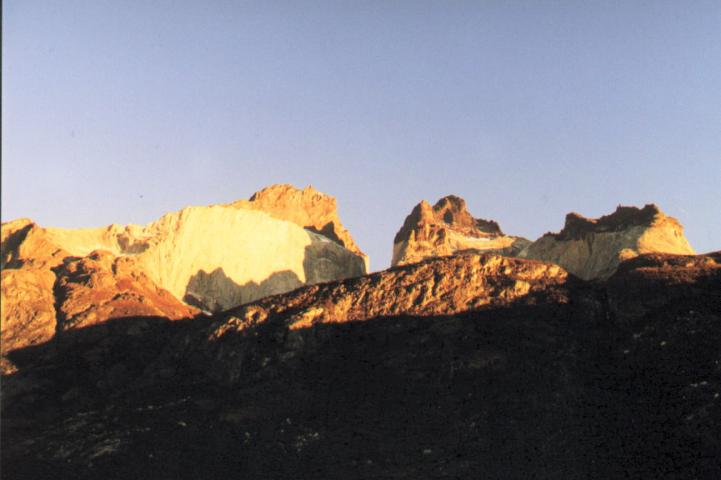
(618,380)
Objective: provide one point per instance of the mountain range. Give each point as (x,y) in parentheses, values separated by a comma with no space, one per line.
(250,340)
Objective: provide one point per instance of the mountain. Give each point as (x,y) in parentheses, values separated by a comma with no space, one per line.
(208,258)
(463,361)
(592,248)
(464,366)
(445,228)
(307,208)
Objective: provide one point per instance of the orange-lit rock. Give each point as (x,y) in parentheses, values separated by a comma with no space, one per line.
(592,248)
(213,257)
(102,286)
(437,286)
(447,227)
(28,307)
(307,208)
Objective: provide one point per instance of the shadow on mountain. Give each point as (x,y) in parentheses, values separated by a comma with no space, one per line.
(552,391)
(84,366)
(326,260)
(11,244)
(204,289)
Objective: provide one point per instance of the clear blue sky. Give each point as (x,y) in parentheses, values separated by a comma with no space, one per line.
(119,111)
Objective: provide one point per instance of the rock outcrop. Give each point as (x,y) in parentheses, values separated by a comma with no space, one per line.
(101,286)
(436,286)
(46,291)
(592,248)
(28,308)
(445,228)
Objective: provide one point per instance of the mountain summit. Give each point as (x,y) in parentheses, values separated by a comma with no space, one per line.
(448,227)
(212,258)
(592,248)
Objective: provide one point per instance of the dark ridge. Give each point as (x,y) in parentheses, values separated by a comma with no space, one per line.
(11,245)
(620,382)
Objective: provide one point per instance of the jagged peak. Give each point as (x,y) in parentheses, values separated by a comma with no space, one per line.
(450,211)
(282,190)
(307,207)
(576,225)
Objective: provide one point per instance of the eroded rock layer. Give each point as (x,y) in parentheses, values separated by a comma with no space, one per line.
(445,228)
(592,248)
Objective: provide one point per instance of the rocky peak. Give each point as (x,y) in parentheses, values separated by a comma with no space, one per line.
(592,248)
(307,208)
(449,211)
(577,226)
(214,257)
(445,228)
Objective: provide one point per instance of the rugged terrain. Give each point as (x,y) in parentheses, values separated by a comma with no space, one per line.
(447,227)
(466,366)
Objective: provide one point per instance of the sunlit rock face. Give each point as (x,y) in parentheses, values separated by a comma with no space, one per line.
(212,258)
(218,257)
(308,208)
(46,292)
(28,307)
(447,227)
(592,248)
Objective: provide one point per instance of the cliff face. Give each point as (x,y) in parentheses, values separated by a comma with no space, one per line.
(593,248)
(446,228)
(213,257)
(307,208)
(218,257)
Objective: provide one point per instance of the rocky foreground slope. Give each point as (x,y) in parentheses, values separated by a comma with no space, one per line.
(467,366)
(212,258)
(447,227)
(592,248)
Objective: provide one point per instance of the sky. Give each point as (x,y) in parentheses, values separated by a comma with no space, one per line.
(121,111)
